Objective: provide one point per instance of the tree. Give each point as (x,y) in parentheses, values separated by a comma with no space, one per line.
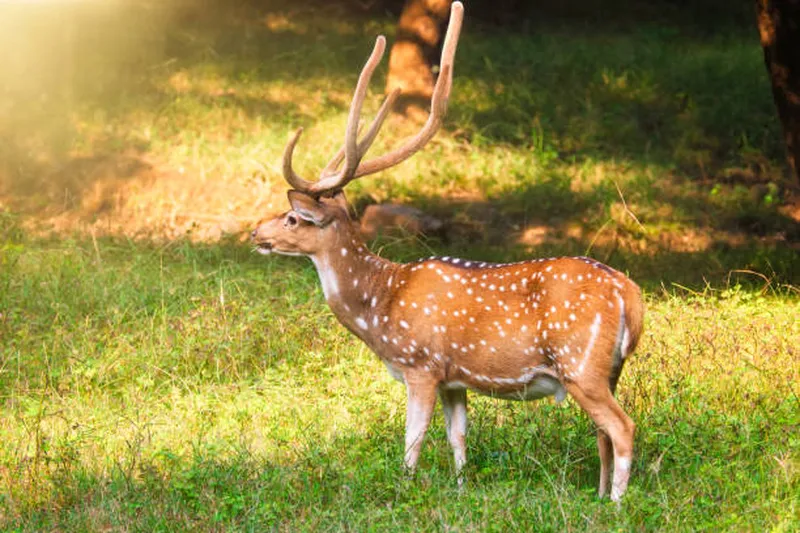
(419,35)
(779,27)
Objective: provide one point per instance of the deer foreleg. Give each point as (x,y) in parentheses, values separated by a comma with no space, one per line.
(454,405)
(421,401)
(606,450)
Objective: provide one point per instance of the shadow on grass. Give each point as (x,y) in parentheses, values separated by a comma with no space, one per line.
(714,238)
(594,81)
(639,83)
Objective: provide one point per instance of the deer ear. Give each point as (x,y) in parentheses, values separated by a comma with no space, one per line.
(338,200)
(308,208)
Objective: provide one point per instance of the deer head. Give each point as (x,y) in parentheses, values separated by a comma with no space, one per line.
(312,225)
(319,209)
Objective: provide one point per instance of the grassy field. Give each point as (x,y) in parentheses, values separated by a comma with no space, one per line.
(156,375)
(180,387)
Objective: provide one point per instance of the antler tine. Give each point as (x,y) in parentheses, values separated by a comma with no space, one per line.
(367,140)
(351,155)
(375,127)
(351,148)
(439,101)
(288,172)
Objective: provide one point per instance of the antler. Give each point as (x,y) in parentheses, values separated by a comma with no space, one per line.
(354,150)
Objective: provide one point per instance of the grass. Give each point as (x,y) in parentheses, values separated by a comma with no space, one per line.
(156,375)
(178,388)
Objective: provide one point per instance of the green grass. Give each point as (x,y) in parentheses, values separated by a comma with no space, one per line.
(156,377)
(179,387)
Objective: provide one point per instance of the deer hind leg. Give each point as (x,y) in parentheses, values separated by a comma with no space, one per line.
(421,401)
(604,444)
(614,426)
(454,405)
(606,450)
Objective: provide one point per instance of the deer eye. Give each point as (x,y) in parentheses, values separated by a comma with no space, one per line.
(291,220)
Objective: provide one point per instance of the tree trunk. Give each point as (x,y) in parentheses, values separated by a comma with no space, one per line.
(419,36)
(779,27)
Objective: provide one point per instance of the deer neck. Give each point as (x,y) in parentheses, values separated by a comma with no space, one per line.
(354,280)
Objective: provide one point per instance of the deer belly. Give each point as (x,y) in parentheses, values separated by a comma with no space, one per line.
(539,386)
(394,372)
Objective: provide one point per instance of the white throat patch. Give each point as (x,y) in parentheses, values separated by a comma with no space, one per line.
(328,278)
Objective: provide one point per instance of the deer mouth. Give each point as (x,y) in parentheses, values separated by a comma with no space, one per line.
(264,248)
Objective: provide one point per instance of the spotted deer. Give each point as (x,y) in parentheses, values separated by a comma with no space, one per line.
(442,326)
